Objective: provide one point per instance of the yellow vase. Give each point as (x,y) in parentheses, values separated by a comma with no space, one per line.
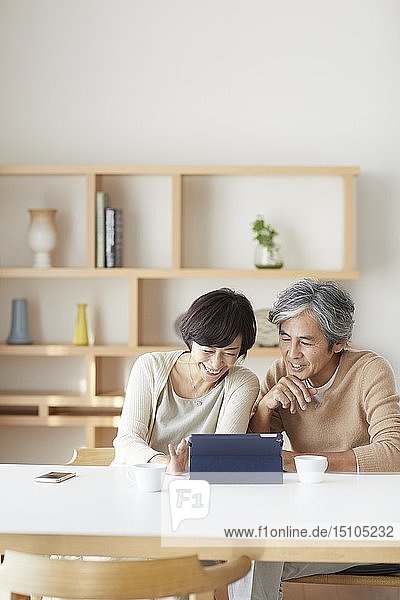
(80,330)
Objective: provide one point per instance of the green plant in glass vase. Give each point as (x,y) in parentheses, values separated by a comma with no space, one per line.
(268,251)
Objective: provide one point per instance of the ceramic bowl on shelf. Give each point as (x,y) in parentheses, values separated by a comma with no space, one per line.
(177,324)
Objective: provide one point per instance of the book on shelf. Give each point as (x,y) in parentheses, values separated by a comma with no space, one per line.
(114,237)
(102,202)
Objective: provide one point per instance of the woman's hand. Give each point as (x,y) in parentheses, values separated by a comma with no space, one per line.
(179,458)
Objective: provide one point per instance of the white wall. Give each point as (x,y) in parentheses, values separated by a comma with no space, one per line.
(224,82)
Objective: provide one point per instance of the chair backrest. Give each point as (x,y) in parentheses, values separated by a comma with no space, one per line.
(38,575)
(100,457)
(347,579)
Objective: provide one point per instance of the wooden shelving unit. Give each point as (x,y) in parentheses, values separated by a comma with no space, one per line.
(98,407)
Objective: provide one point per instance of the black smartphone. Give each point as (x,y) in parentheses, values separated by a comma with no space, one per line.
(54,477)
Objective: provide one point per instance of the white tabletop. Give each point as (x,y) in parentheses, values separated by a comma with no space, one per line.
(101,511)
(100,500)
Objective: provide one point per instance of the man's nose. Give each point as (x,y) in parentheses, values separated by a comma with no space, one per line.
(295,349)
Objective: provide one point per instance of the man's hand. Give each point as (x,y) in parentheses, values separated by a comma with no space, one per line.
(290,392)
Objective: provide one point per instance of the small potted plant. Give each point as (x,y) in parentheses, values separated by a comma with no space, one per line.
(267,253)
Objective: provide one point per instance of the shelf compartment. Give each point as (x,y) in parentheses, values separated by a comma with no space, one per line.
(67,194)
(35,405)
(162,301)
(111,377)
(146,202)
(46,405)
(218,212)
(52,309)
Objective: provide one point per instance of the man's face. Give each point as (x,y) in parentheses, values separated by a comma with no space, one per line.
(305,350)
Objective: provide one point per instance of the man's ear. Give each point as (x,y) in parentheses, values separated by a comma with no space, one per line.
(338,347)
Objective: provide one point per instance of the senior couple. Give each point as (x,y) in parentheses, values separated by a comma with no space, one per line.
(329,399)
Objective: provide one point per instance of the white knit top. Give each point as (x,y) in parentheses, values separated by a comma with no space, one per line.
(153,415)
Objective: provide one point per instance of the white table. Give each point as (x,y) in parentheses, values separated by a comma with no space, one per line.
(101,512)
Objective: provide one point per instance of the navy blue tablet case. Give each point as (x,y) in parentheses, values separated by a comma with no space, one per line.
(236,458)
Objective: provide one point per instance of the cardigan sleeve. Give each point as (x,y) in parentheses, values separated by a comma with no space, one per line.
(136,418)
(381,404)
(240,392)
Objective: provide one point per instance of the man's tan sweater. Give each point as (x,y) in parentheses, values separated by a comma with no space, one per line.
(360,411)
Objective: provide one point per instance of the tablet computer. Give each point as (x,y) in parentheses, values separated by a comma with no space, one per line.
(236,458)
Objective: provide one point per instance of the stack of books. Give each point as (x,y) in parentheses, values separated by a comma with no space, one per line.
(109,239)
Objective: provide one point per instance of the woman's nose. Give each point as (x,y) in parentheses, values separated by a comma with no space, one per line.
(216,360)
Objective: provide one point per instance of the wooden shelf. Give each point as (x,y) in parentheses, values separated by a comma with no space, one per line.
(94,409)
(55,350)
(177,170)
(184,273)
(64,272)
(90,423)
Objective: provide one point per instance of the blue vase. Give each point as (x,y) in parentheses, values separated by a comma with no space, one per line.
(19,333)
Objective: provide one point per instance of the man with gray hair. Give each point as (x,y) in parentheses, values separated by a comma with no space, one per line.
(329,399)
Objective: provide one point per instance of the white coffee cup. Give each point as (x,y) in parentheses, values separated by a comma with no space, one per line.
(310,468)
(149,477)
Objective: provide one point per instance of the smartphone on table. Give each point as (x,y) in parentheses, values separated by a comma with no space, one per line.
(54,477)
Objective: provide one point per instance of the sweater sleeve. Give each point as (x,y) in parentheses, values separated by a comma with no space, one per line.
(272,376)
(134,428)
(381,405)
(241,390)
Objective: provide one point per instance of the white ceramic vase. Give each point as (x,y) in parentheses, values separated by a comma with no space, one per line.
(42,235)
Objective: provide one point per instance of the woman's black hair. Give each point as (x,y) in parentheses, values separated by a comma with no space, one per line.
(216,318)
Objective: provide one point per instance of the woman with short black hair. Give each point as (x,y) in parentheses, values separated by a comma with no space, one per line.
(199,390)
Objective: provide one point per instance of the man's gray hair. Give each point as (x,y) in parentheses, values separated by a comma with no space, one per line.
(330,305)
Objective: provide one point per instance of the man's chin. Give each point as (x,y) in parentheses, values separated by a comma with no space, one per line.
(302,375)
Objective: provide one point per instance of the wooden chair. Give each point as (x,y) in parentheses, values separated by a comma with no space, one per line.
(37,576)
(347,579)
(100,457)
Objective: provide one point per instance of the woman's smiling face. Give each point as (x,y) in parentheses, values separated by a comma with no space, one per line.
(304,348)
(213,363)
